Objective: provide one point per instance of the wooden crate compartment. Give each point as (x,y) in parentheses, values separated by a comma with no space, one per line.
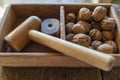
(36,55)
(19,16)
(110,12)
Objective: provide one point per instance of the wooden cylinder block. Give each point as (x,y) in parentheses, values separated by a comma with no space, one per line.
(50,26)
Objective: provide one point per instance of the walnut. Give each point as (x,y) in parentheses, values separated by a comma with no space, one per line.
(78,28)
(84,14)
(69,37)
(69,27)
(70,17)
(86,25)
(113,44)
(82,39)
(108,24)
(95,25)
(99,13)
(107,35)
(95,44)
(95,34)
(91,18)
(106,48)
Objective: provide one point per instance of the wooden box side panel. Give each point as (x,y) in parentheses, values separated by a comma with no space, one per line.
(6,25)
(39,60)
(43,11)
(117,30)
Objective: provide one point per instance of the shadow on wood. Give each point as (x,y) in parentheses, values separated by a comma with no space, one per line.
(50,74)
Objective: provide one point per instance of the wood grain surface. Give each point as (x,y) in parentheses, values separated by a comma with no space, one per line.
(50,74)
(112,75)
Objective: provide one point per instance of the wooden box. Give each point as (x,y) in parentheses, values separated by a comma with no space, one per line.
(35,55)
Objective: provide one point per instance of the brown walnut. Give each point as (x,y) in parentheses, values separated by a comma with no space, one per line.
(95,34)
(84,14)
(95,25)
(95,44)
(91,18)
(108,24)
(69,37)
(106,48)
(78,28)
(86,25)
(99,13)
(70,17)
(107,35)
(69,27)
(113,44)
(82,39)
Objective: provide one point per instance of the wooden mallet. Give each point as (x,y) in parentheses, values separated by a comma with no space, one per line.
(19,37)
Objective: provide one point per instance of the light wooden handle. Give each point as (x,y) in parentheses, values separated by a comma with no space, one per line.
(92,57)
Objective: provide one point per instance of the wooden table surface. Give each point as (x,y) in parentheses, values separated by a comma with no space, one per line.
(7,73)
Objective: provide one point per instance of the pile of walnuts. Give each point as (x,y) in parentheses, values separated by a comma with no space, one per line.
(92,29)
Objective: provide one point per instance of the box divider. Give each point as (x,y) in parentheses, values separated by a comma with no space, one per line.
(62,23)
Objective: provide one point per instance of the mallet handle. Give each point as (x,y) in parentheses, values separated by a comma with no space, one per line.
(92,57)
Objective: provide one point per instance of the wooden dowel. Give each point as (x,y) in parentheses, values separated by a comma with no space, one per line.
(92,57)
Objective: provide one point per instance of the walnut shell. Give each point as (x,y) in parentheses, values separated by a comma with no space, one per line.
(70,17)
(78,28)
(95,34)
(91,18)
(69,37)
(107,35)
(84,14)
(95,44)
(99,13)
(108,24)
(82,39)
(86,25)
(69,27)
(113,44)
(106,48)
(95,25)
